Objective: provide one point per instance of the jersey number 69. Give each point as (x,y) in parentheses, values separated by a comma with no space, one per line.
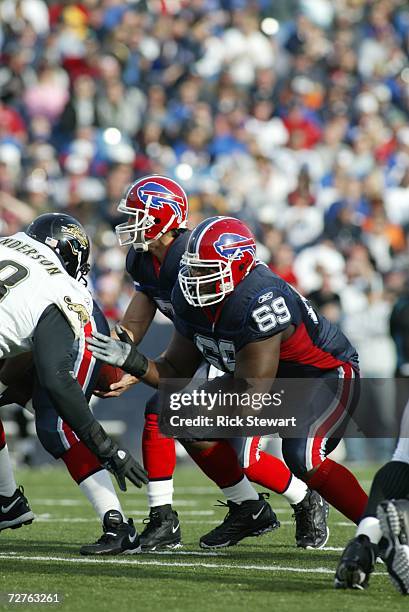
(269,316)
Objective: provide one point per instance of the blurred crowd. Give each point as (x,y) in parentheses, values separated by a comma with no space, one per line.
(290,114)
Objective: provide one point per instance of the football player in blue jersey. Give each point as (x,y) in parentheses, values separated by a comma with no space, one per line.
(157,210)
(218,317)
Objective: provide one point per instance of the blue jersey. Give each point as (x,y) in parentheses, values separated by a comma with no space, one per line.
(153,279)
(261,306)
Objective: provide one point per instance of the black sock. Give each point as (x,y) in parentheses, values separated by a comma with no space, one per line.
(390,482)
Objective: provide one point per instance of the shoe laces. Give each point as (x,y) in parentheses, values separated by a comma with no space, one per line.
(303,519)
(153,520)
(106,538)
(20,488)
(234,508)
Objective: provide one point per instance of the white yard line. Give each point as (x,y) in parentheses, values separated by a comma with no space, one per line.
(50,501)
(139,562)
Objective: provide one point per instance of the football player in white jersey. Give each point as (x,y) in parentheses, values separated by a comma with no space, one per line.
(43,310)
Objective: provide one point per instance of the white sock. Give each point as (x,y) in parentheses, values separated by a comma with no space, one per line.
(240,492)
(296,491)
(369,526)
(160,492)
(99,490)
(7,482)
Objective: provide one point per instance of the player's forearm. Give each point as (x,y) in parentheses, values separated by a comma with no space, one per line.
(179,360)
(52,354)
(138,316)
(149,371)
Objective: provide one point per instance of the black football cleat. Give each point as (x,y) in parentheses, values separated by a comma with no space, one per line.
(356,564)
(162,529)
(311,515)
(393,517)
(248,519)
(15,511)
(119,538)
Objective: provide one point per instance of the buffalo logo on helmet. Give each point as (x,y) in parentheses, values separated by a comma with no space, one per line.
(228,245)
(156,196)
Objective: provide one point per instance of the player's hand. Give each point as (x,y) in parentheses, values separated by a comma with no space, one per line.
(116,459)
(122,465)
(118,353)
(118,388)
(109,350)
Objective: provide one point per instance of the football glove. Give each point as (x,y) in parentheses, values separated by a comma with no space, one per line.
(109,349)
(118,353)
(115,459)
(123,334)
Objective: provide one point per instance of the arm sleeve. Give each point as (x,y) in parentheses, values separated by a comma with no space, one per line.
(53,359)
(132,267)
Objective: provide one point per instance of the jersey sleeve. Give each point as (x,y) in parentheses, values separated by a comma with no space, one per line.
(179,307)
(269,314)
(181,327)
(132,267)
(75,303)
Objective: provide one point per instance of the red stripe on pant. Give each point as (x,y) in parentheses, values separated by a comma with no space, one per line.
(2,436)
(338,414)
(84,368)
(254,453)
(87,358)
(333,481)
(80,462)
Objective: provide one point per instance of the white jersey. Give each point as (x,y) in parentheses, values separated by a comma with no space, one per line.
(32,278)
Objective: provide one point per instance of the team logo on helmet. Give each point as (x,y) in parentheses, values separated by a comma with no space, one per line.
(156,196)
(73,231)
(228,244)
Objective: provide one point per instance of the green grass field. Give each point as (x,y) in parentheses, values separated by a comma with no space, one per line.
(266,573)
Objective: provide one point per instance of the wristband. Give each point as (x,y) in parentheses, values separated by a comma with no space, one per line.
(136,363)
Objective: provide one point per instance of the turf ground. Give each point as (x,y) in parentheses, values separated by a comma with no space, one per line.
(266,573)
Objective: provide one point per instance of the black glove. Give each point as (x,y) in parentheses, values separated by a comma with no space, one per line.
(117,460)
(123,334)
(135,364)
(122,465)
